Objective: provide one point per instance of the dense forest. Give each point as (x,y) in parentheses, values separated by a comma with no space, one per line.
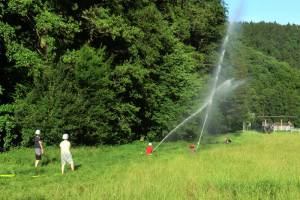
(106,72)
(265,55)
(278,41)
(110,72)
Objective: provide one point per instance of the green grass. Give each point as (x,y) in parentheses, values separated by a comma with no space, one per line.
(254,166)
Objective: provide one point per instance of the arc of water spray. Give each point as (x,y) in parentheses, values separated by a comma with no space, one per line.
(182,123)
(220,87)
(213,91)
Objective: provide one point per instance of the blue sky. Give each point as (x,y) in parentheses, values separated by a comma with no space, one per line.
(281,11)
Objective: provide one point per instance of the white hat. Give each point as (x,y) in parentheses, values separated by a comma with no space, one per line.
(150,144)
(37,132)
(65,136)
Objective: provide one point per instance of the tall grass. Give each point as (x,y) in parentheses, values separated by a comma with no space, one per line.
(254,166)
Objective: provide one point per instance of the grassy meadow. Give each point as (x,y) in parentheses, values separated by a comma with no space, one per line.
(254,166)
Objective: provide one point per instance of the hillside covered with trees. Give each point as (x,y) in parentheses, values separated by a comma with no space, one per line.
(106,72)
(265,55)
(114,71)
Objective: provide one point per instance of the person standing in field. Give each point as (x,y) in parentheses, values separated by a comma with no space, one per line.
(38,147)
(149,149)
(66,156)
(192,148)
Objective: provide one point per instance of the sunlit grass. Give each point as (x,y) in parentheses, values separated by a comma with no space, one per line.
(254,166)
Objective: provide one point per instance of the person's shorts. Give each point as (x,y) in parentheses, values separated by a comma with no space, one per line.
(66,158)
(38,153)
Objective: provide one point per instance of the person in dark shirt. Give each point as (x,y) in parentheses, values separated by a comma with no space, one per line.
(38,147)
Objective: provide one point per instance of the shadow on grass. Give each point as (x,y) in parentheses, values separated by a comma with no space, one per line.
(77,166)
(49,160)
(30,171)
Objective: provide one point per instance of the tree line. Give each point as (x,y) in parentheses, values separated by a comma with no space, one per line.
(106,72)
(114,71)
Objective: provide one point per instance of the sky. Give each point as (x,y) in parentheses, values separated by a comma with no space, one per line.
(281,11)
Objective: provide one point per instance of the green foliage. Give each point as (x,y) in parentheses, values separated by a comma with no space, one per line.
(8,135)
(7,32)
(113,102)
(54,31)
(271,88)
(106,72)
(113,71)
(102,23)
(281,42)
(180,24)
(62,100)
(171,98)
(204,18)
(20,7)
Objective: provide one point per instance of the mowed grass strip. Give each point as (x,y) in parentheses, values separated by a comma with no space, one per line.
(254,166)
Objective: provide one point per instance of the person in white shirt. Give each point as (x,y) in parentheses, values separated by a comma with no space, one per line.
(66,156)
